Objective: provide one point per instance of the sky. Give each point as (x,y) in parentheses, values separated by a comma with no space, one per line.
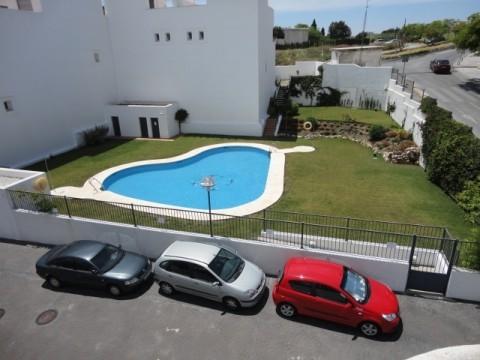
(382,14)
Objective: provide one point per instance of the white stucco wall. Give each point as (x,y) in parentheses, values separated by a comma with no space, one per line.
(407,113)
(294,36)
(222,81)
(129,115)
(358,82)
(464,284)
(49,229)
(47,70)
(366,56)
(301,68)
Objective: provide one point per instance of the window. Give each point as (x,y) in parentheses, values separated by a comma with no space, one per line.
(327,293)
(227,266)
(157,37)
(168,37)
(202,274)
(96,57)
(201,35)
(151,4)
(189,36)
(83,266)
(66,263)
(302,287)
(177,267)
(356,285)
(8,105)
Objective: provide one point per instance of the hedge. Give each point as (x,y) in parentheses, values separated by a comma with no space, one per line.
(450,149)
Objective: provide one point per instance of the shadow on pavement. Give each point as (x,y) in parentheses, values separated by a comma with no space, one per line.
(195,300)
(102,293)
(471,85)
(355,333)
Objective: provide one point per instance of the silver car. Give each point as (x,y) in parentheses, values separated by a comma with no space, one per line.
(211,272)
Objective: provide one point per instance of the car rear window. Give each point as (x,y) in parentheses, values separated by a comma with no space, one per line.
(444,62)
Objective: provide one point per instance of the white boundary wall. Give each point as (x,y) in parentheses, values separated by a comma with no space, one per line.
(54,230)
(407,113)
(464,284)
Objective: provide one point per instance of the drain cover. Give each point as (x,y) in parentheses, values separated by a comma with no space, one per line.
(46,317)
(2,312)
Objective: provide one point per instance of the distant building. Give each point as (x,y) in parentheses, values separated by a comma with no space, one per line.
(360,55)
(294,36)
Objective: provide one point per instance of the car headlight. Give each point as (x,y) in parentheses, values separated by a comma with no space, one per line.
(389,317)
(132,281)
(251,292)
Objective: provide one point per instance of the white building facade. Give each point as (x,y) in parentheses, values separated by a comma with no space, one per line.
(77,64)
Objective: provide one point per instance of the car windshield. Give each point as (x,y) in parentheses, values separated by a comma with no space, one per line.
(227,266)
(107,258)
(356,285)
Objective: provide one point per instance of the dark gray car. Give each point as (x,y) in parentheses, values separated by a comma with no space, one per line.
(94,264)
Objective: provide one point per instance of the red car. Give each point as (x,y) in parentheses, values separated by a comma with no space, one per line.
(440,66)
(336,293)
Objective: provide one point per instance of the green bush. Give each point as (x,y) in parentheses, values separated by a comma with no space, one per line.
(95,136)
(469,200)
(314,122)
(377,133)
(450,150)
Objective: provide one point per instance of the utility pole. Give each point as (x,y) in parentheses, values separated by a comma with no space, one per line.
(363,31)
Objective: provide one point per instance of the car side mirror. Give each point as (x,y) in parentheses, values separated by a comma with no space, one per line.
(217,283)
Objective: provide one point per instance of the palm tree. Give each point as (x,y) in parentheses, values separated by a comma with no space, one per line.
(181,116)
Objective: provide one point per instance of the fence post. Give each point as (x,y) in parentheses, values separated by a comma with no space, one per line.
(348,230)
(412,251)
(133,215)
(264,220)
(452,259)
(301,239)
(413,89)
(68,207)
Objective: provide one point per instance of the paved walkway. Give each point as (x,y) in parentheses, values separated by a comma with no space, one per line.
(466,352)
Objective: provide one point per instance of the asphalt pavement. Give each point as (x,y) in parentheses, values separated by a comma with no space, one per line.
(458,92)
(145,325)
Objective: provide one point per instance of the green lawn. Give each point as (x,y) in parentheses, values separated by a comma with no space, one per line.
(340,178)
(337,113)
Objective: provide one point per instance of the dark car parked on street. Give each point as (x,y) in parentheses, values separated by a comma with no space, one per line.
(94,264)
(440,66)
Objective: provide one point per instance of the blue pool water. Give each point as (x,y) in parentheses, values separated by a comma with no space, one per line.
(240,174)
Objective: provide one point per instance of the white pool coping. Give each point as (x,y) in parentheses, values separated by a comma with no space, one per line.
(272,193)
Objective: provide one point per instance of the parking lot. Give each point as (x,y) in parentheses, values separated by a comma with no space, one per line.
(146,325)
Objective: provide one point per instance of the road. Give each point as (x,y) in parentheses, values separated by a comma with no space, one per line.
(146,325)
(458,92)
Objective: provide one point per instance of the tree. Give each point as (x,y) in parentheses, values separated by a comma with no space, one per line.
(314,37)
(436,30)
(278,33)
(301,26)
(467,35)
(338,30)
(181,116)
(362,37)
(314,24)
(322,32)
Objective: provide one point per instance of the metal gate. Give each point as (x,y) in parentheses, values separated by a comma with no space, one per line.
(431,262)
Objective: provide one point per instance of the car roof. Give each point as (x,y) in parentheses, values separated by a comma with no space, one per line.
(314,270)
(204,253)
(83,249)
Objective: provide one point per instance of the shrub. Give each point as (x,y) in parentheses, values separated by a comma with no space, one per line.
(391,107)
(96,135)
(329,97)
(469,200)
(314,122)
(405,135)
(451,151)
(377,133)
(181,116)
(391,134)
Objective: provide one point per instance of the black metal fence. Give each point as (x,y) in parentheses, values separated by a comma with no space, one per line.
(408,85)
(350,235)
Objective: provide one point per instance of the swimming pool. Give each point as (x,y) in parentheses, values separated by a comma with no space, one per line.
(240,174)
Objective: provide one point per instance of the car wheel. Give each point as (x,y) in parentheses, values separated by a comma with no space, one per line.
(114,290)
(286,310)
(370,329)
(166,288)
(54,282)
(231,303)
